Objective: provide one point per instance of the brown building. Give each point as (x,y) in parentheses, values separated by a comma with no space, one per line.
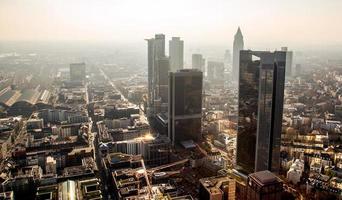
(264,185)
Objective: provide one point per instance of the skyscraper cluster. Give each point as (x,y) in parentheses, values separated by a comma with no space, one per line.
(159,66)
(174,94)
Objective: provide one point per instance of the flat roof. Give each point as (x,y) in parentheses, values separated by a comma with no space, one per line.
(264,177)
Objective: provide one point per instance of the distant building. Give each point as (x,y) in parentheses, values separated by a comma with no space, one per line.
(237,47)
(77,71)
(198,62)
(289,58)
(161,69)
(185,105)
(155,51)
(298,69)
(216,72)
(261,96)
(176,53)
(264,185)
(227,59)
(150,64)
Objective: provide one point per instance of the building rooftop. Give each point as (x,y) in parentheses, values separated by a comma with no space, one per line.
(264,177)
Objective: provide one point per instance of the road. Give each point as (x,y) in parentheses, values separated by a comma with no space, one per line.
(143,117)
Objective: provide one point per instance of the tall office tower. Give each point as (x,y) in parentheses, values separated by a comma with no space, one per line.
(176,53)
(159,46)
(185,105)
(298,69)
(155,51)
(227,59)
(261,95)
(162,67)
(289,58)
(150,64)
(264,185)
(237,47)
(77,71)
(215,72)
(198,62)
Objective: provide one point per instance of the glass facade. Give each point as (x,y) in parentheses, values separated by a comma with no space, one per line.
(185,105)
(261,92)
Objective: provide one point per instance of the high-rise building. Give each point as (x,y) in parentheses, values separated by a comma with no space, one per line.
(298,69)
(77,71)
(161,69)
(215,72)
(261,95)
(264,185)
(227,58)
(176,53)
(198,62)
(150,64)
(289,58)
(155,52)
(185,105)
(237,47)
(159,46)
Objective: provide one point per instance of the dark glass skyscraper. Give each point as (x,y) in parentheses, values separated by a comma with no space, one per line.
(261,94)
(185,105)
(155,52)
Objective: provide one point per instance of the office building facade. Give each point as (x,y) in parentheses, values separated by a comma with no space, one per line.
(289,60)
(155,58)
(198,62)
(215,72)
(176,54)
(185,105)
(261,94)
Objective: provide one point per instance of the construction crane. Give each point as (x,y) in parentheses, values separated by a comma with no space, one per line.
(152,170)
(149,172)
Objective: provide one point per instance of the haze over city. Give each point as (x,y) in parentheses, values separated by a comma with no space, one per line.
(170,100)
(267,24)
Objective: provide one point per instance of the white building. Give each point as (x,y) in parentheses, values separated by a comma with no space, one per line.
(176,53)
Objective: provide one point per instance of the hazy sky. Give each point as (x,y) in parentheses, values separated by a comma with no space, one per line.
(272,23)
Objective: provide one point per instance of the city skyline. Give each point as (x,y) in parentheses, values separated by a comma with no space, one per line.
(154,99)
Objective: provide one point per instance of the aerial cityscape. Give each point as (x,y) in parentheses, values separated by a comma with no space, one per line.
(174,108)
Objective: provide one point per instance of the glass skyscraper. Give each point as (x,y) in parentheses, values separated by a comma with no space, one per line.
(261,94)
(185,105)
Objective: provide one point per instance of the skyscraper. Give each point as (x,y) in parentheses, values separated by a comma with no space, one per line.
(159,46)
(198,62)
(237,47)
(176,53)
(77,71)
(155,51)
(289,58)
(215,72)
(185,105)
(261,94)
(227,59)
(162,66)
(150,64)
